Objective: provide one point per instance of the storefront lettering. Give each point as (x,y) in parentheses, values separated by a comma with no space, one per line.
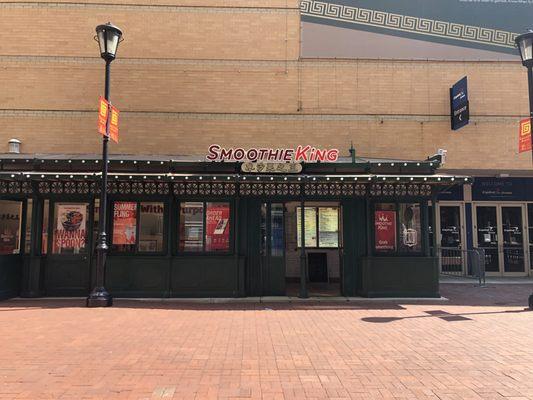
(301,153)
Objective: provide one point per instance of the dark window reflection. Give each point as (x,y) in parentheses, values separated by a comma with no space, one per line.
(513,245)
(487,236)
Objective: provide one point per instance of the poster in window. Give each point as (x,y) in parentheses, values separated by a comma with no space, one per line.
(310,230)
(9,227)
(385,227)
(124,222)
(217,227)
(328,227)
(70,228)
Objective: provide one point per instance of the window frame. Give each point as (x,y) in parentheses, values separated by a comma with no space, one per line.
(203,252)
(136,251)
(317,224)
(397,252)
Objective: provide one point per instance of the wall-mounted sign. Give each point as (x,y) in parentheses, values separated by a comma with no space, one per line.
(460,112)
(385,228)
(524,136)
(271,168)
(301,153)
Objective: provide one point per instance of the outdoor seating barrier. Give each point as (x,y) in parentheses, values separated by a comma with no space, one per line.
(467,263)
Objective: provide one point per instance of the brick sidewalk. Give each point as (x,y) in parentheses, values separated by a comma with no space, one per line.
(479,345)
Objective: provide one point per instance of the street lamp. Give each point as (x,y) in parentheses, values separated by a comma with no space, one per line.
(108,37)
(524,43)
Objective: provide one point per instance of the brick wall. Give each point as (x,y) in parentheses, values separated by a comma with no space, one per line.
(191,73)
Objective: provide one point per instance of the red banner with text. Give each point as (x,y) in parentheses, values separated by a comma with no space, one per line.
(385,227)
(524,137)
(217,227)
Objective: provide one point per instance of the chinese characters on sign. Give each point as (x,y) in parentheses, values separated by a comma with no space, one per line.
(217,227)
(524,137)
(385,228)
(271,168)
(124,223)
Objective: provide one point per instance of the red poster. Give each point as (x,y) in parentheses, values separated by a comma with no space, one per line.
(217,227)
(524,137)
(124,222)
(103,114)
(385,226)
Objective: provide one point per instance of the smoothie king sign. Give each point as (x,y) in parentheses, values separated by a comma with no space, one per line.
(385,227)
(301,153)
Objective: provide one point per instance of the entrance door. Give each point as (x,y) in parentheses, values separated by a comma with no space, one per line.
(68,261)
(500,232)
(450,229)
(272,249)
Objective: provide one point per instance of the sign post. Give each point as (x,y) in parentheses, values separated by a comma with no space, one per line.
(460,109)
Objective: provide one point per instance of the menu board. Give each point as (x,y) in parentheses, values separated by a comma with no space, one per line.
(70,231)
(309,226)
(124,222)
(385,230)
(217,227)
(328,227)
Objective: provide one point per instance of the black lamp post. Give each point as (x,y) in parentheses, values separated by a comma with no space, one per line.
(524,43)
(108,37)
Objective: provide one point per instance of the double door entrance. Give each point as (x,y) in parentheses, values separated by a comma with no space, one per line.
(283,262)
(499,230)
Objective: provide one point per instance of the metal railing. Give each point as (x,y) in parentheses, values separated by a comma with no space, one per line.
(468,263)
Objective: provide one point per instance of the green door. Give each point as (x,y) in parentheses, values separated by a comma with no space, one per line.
(68,262)
(272,249)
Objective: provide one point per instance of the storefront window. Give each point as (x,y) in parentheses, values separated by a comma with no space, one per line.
(70,228)
(44,237)
(410,228)
(151,227)
(385,227)
(124,226)
(277,240)
(10,220)
(213,218)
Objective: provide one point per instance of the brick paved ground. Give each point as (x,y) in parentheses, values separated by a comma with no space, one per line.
(479,345)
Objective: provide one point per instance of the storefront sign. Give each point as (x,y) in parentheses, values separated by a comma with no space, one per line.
(385,227)
(70,227)
(271,168)
(301,153)
(217,227)
(524,136)
(124,222)
(460,112)
(510,189)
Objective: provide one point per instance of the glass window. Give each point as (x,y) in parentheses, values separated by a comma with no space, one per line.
(385,227)
(204,227)
(277,241)
(44,236)
(27,240)
(70,228)
(410,228)
(151,227)
(191,226)
(310,227)
(124,226)
(328,227)
(10,221)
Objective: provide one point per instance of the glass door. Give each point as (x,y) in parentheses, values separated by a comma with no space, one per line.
(451,239)
(500,232)
(272,249)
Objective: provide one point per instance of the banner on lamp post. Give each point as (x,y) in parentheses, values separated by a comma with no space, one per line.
(103,115)
(113,124)
(524,136)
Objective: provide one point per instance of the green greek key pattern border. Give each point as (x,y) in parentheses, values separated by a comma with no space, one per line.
(407,23)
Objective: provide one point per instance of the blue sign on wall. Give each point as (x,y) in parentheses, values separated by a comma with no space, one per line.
(502,189)
(453,193)
(460,113)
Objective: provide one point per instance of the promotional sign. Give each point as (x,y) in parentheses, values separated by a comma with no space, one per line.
(385,227)
(524,136)
(460,112)
(413,29)
(124,222)
(70,228)
(103,115)
(301,153)
(113,124)
(217,227)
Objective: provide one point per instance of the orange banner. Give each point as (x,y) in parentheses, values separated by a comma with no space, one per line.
(524,138)
(113,124)
(103,114)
